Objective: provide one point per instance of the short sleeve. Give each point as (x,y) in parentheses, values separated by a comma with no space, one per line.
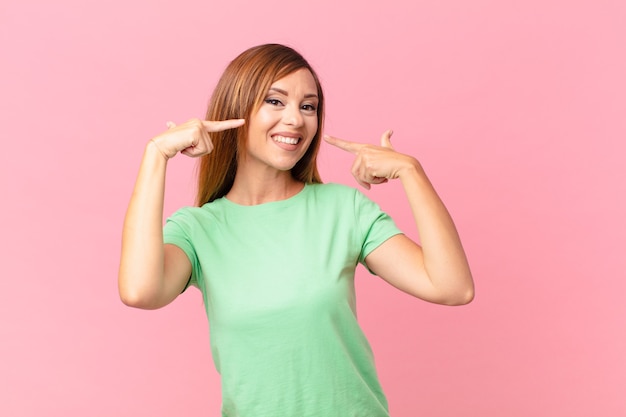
(375,226)
(177,231)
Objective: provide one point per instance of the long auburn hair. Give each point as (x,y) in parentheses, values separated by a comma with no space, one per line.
(240,92)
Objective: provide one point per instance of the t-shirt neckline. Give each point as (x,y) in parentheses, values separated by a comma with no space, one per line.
(273,204)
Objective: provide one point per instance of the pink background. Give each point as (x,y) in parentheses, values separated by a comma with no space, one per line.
(515,108)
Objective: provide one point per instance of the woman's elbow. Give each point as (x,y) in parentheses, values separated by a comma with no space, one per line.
(461,298)
(458,293)
(132,296)
(461,295)
(132,299)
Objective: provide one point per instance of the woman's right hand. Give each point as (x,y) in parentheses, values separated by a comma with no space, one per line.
(191,138)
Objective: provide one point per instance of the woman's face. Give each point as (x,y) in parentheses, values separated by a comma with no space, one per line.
(282,129)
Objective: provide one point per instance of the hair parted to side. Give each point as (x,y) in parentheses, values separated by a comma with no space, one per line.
(240,92)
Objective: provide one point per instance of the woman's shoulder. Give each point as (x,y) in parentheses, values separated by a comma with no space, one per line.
(338,192)
(194,212)
(333,188)
(337,198)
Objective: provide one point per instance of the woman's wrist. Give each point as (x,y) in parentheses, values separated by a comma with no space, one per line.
(411,168)
(153,148)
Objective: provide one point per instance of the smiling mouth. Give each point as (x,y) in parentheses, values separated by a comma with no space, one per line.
(287,140)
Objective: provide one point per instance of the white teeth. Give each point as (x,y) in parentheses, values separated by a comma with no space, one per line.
(283,139)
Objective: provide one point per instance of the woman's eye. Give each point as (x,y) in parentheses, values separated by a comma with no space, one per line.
(308,107)
(273,101)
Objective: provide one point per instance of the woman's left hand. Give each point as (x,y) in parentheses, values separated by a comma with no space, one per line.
(375,164)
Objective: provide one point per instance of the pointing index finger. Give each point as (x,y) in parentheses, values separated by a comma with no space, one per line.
(347,146)
(218,126)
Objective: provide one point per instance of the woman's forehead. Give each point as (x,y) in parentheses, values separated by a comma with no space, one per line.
(300,81)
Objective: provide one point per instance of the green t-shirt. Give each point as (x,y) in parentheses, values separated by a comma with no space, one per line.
(278,286)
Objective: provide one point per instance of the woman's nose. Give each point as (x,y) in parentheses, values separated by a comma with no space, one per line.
(292,116)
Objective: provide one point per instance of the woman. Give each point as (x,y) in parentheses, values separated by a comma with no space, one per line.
(274,251)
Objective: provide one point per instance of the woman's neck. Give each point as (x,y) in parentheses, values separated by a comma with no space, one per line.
(250,189)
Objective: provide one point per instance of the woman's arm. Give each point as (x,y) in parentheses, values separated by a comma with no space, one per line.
(152,274)
(437,271)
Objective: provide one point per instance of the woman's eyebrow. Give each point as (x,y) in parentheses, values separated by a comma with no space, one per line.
(283,92)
